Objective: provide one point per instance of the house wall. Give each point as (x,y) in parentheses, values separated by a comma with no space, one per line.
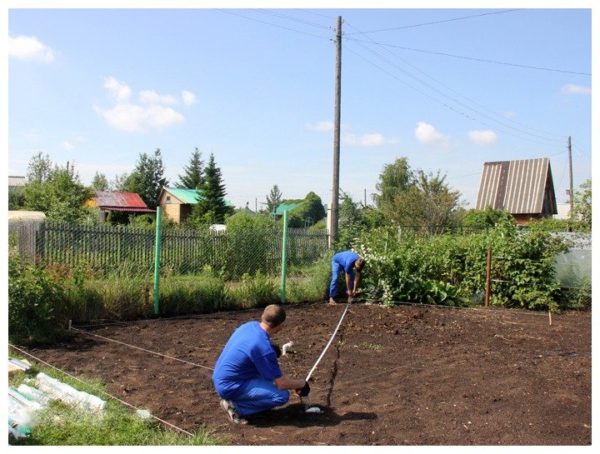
(172,212)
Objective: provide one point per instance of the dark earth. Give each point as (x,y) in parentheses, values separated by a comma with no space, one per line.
(411,375)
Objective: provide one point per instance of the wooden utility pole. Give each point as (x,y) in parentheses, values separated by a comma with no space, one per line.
(333,233)
(570,181)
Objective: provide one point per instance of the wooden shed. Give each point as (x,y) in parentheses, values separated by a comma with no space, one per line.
(177,203)
(524,188)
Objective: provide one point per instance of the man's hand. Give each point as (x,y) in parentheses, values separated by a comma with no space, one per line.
(303,392)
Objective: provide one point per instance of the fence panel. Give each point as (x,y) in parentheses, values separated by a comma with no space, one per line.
(128,249)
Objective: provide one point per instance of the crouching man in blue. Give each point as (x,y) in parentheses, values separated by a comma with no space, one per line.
(352,264)
(247,376)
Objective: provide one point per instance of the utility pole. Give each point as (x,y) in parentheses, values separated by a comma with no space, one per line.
(570,181)
(333,232)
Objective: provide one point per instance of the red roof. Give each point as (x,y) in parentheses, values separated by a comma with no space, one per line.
(121,201)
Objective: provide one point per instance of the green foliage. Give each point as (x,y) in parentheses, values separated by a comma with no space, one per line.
(212,208)
(450,269)
(416,200)
(201,293)
(193,176)
(99,182)
(256,290)
(582,210)
(16,198)
(308,212)
(273,199)
(147,179)
(62,425)
(37,310)
(55,191)
(309,283)
(477,220)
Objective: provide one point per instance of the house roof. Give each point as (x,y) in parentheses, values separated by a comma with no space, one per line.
(121,201)
(14,181)
(519,187)
(184,195)
(285,207)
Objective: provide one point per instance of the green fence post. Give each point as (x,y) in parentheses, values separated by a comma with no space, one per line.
(284,255)
(157,260)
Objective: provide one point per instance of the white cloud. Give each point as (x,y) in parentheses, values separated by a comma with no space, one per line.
(133,118)
(151,97)
(67,145)
(374,139)
(571,89)
(188,97)
(152,113)
(119,90)
(483,137)
(320,126)
(29,48)
(426,133)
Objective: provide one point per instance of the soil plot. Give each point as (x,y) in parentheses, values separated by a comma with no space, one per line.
(408,375)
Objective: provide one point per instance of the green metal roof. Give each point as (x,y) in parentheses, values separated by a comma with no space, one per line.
(190,196)
(285,207)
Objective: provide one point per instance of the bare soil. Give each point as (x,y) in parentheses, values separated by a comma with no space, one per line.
(411,375)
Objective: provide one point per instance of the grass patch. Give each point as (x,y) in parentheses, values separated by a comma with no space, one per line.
(61,425)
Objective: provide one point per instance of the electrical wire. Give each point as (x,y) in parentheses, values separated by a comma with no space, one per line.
(225,11)
(447,105)
(403,27)
(292,18)
(482,60)
(502,123)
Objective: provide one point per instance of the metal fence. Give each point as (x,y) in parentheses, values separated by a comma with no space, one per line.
(108,248)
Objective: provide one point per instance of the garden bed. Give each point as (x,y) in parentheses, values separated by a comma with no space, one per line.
(418,375)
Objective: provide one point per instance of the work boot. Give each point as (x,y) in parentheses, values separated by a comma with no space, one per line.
(234,417)
(332,302)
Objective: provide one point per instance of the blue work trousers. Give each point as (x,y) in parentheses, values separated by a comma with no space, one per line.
(335,273)
(258,395)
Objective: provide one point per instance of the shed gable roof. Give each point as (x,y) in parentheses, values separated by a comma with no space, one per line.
(519,187)
(120,201)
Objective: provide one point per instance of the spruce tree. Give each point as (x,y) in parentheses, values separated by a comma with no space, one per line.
(273,199)
(193,176)
(212,207)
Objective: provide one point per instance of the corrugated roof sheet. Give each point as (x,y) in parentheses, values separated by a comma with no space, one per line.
(122,200)
(14,181)
(520,187)
(185,195)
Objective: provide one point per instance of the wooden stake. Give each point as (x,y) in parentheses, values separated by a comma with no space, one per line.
(550,318)
(488,277)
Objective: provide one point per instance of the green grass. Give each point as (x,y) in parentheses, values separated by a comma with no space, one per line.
(59,424)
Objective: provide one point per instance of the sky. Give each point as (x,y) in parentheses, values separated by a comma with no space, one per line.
(448,89)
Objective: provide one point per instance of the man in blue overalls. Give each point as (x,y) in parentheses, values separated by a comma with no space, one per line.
(247,376)
(352,264)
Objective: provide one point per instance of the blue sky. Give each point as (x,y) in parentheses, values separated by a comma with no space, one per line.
(97,87)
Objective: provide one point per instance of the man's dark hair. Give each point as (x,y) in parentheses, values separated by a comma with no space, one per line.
(273,315)
(360,264)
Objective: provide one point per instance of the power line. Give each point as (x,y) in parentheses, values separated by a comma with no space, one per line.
(482,60)
(433,22)
(225,11)
(445,104)
(553,140)
(287,16)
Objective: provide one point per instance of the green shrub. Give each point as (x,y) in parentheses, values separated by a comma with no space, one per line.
(450,269)
(309,283)
(37,309)
(192,294)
